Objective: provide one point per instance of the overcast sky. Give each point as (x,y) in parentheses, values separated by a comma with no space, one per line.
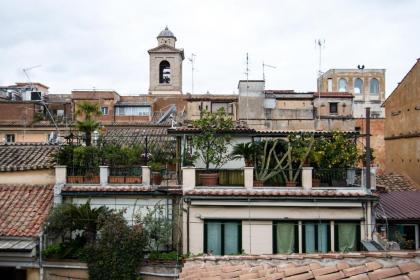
(103,44)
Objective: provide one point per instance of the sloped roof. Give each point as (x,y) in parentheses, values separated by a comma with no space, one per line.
(315,266)
(24,209)
(395,182)
(240,193)
(402,205)
(26,156)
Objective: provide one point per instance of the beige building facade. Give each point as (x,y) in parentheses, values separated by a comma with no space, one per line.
(402,126)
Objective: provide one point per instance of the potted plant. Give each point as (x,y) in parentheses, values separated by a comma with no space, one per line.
(211,143)
(88,111)
(156,168)
(269,160)
(247,151)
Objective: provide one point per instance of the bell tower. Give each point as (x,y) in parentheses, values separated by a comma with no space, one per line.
(165,66)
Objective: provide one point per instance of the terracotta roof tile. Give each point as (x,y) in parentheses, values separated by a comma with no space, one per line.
(318,270)
(395,182)
(23,209)
(26,156)
(271,193)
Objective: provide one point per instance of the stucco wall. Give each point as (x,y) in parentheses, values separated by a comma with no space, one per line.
(261,218)
(402,126)
(31,177)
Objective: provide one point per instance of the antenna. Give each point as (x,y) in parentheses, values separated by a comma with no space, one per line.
(320,44)
(266,65)
(25,71)
(192,60)
(247,86)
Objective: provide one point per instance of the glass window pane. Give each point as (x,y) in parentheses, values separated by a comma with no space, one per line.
(285,236)
(342,85)
(214,240)
(347,237)
(231,236)
(358,86)
(374,86)
(323,237)
(309,238)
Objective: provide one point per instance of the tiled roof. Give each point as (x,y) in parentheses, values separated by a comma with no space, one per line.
(26,156)
(394,182)
(23,209)
(273,193)
(317,267)
(402,205)
(90,188)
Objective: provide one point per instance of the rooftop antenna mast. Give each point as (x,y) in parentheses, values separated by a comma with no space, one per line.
(25,71)
(192,60)
(320,44)
(247,86)
(263,68)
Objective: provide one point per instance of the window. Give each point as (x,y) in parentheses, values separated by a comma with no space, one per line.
(333,108)
(347,236)
(222,237)
(342,85)
(164,72)
(374,86)
(358,86)
(132,111)
(104,111)
(404,235)
(316,237)
(329,85)
(10,138)
(285,237)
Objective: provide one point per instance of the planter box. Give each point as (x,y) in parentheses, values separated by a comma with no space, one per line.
(116,179)
(75,179)
(290,184)
(156,178)
(91,180)
(258,183)
(133,179)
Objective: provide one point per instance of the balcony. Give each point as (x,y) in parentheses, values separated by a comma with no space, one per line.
(306,178)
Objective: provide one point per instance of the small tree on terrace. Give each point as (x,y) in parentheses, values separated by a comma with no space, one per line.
(88,125)
(211,144)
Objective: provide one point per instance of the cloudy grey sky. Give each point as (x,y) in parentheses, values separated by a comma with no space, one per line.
(103,44)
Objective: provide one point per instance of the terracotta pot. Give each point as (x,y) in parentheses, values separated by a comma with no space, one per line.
(156,178)
(209,179)
(75,179)
(91,180)
(258,183)
(316,182)
(290,184)
(133,179)
(116,179)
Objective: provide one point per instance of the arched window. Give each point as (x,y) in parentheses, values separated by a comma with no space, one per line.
(358,86)
(374,86)
(342,85)
(164,72)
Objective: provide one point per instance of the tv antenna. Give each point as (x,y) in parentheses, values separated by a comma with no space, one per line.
(25,71)
(192,60)
(320,44)
(247,86)
(263,68)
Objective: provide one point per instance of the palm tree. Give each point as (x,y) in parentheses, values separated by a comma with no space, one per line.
(88,125)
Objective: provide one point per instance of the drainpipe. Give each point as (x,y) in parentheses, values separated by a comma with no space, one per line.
(188,226)
(41,269)
(367,146)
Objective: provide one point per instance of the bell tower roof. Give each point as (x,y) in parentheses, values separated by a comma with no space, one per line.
(166,33)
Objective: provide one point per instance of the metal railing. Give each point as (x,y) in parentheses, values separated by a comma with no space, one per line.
(278,177)
(124,174)
(336,177)
(83,175)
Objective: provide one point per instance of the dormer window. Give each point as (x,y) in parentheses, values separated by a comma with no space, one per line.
(164,72)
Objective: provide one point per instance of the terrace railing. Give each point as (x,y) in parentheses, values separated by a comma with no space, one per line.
(82,175)
(125,174)
(336,177)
